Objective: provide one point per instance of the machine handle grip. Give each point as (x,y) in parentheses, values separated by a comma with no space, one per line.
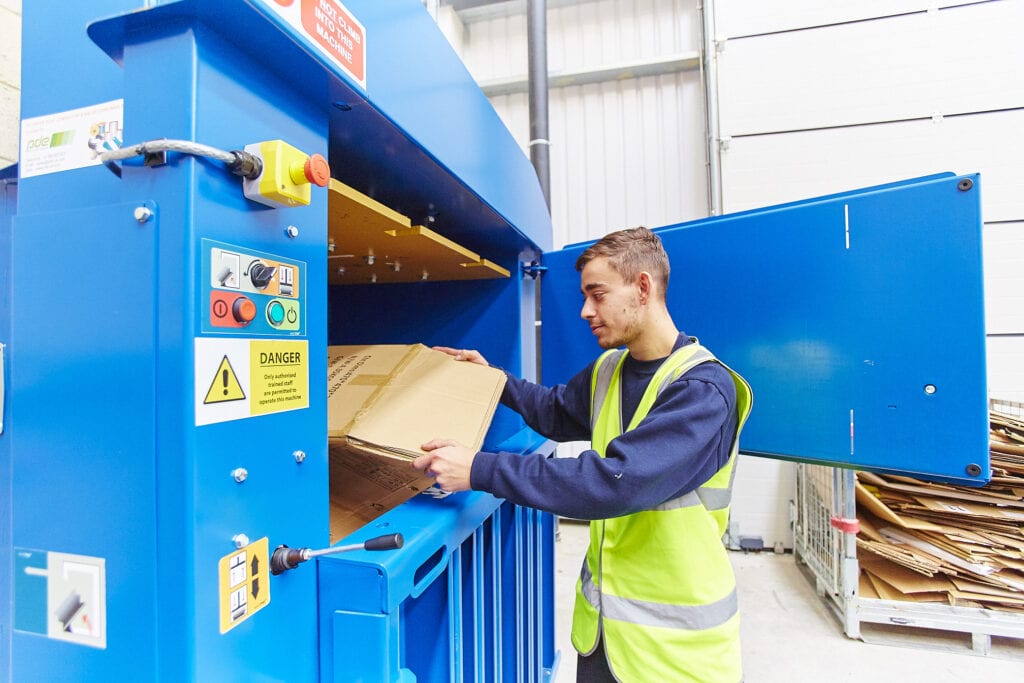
(424,581)
(385,542)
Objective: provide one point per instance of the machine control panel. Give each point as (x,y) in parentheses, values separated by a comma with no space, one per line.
(251,292)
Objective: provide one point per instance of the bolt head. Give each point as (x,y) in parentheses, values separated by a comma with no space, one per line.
(142,213)
(300,456)
(291,231)
(240,540)
(240,474)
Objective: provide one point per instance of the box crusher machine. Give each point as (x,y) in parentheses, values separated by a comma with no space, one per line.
(211,193)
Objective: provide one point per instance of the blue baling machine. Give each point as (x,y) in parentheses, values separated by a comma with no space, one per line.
(201,197)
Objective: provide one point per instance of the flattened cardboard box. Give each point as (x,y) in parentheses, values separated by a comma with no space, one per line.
(383,402)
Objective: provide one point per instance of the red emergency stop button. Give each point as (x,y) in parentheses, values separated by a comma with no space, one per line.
(317,171)
(244,310)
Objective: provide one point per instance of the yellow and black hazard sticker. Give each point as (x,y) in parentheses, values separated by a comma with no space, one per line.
(225,385)
(244,583)
(237,378)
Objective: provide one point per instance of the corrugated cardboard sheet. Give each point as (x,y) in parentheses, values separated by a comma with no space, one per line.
(384,402)
(962,546)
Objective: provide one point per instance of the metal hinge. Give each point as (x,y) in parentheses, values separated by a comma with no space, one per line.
(533,269)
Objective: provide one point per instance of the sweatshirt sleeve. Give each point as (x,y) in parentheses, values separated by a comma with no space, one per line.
(561,413)
(684,439)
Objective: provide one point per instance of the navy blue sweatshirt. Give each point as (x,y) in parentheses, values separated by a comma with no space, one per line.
(683,441)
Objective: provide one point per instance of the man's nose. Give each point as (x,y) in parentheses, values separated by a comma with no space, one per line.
(587,312)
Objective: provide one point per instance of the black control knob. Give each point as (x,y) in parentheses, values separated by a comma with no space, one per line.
(261,274)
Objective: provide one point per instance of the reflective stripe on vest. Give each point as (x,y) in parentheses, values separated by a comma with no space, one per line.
(604,368)
(647,613)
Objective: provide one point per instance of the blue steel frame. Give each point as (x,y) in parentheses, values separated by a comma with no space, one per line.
(8,204)
(103,331)
(858,319)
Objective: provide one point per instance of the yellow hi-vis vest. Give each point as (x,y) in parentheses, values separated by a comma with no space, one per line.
(658,583)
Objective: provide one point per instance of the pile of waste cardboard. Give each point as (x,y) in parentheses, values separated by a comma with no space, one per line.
(956,545)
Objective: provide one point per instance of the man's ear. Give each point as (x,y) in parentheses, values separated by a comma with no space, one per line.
(645,284)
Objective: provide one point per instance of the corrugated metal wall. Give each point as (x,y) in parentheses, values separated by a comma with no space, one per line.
(625,151)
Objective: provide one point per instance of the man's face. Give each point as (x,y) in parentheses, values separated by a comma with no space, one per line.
(610,306)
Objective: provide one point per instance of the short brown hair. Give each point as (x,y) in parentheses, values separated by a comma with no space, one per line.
(630,252)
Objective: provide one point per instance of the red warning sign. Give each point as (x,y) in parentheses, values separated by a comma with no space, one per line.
(338,32)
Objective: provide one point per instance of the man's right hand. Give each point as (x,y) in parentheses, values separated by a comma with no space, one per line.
(470,355)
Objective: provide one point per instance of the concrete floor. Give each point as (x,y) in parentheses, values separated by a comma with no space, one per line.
(790,634)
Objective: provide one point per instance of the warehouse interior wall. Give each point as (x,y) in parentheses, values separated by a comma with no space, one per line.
(812,97)
(10,80)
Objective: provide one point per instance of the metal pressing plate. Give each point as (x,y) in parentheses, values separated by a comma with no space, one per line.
(370,243)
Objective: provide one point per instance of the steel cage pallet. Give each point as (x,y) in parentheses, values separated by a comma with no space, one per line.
(829,557)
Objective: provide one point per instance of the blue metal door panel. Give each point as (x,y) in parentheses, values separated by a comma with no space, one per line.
(189,84)
(83,454)
(857,318)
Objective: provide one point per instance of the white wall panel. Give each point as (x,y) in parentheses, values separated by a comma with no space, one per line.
(1004,278)
(771,169)
(10,40)
(583,35)
(613,31)
(9,128)
(761,495)
(496,48)
(625,152)
(10,80)
(1005,357)
(917,65)
(752,17)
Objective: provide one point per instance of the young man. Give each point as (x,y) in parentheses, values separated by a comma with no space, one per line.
(656,598)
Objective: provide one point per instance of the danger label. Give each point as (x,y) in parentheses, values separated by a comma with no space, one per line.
(279,371)
(240,378)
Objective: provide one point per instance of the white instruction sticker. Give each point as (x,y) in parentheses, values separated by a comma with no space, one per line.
(70,139)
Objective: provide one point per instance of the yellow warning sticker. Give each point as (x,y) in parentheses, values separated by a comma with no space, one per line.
(225,386)
(239,378)
(244,580)
(278,369)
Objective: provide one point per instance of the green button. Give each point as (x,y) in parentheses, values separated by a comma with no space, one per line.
(275,313)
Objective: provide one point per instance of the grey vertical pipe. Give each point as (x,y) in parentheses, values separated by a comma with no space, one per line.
(540,144)
(709,72)
(537,52)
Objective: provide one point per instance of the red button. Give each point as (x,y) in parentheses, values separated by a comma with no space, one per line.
(244,310)
(317,170)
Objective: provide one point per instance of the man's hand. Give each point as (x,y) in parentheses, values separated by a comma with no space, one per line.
(448,461)
(470,355)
